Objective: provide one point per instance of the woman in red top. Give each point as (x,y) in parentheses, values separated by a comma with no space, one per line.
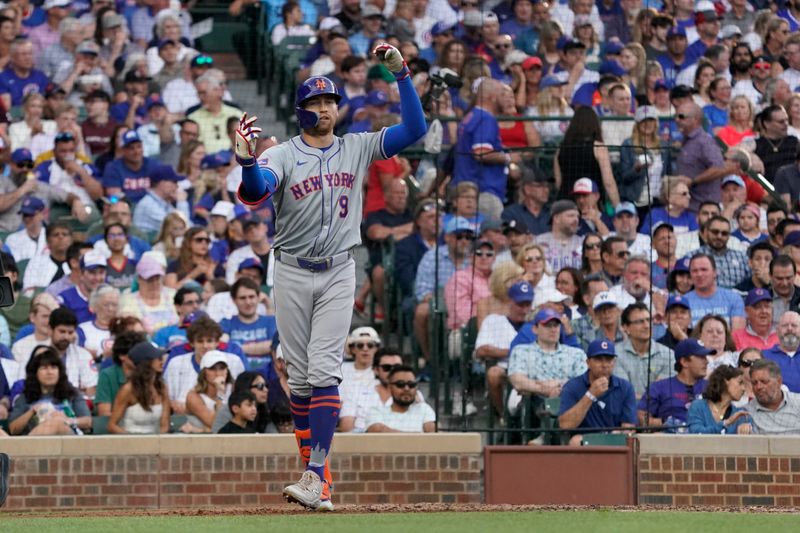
(515,133)
(384,171)
(740,122)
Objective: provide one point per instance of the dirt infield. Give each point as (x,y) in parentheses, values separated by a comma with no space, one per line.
(388,508)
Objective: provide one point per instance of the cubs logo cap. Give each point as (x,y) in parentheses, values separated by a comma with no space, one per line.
(601,347)
(690,347)
(521,292)
(758,295)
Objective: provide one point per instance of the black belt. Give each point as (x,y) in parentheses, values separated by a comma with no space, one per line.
(314,264)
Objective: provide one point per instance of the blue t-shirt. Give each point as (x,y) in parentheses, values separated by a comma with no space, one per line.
(263,329)
(747,240)
(479,129)
(74,301)
(724,302)
(169,336)
(615,407)
(18,88)
(683,223)
(134,183)
(790,366)
(716,117)
(671,398)
(672,69)
(119,112)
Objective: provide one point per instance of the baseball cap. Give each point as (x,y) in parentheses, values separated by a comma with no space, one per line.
(145,351)
(491,224)
(130,137)
(562,206)
(551,80)
(546,315)
(661,85)
(53,89)
(676,31)
(111,20)
(30,206)
(521,292)
(531,62)
(582,20)
(97,94)
(682,265)
(645,112)
(364,333)
(625,207)
(549,295)
(473,19)
(705,13)
(240,212)
(534,174)
(190,318)
(457,224)
(369,11)
(681,91)
(440,28)
(377,98)
(213,357)
(50,4)
(250,262)
(20,155)
(678,301)
(515,225)
(584,186)
(134,77)
(163,173)
(154,100)
(223,208)
(328,23)
(730,30)
(216,160)
(689,347)
(149,267)
(762,59)
(88,47)
(565,44)
(483,244)
(601,347)
(733,178)
(488,17)
(609,66)
(661,224)
(603,298)
(792,238)
(613,48)
(379,72)
(166,42)
(93,259)
(758,295)
(252,220)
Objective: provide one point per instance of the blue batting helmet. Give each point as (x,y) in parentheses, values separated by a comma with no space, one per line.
(314,86)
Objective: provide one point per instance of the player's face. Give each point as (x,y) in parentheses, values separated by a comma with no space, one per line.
(328,110)
(246,302)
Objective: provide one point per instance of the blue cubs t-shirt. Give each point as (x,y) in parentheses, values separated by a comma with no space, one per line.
(73,300)
(263,329)
(134,183)
(615,407)
(479,129)
(671,398)
(18,88)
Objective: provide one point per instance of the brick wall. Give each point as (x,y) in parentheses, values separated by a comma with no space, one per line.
(184,471)
(719,470)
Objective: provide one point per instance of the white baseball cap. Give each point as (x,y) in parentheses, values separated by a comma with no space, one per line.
(645,112)
(603,298)
(212,357)
(548,295)
(223,208)
(364,333)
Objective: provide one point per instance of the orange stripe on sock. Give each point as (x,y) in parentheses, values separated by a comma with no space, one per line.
(334,405)
(319,398)
(299,405)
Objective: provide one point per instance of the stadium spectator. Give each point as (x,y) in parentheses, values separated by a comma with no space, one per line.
(562,245)
(210,394)
(759,257)
(747,217)
(92,273)
(635,285)
(747,357)
(180,94)
(740,122)
(117,209)
(551,101)
(597,399)
(666,402)
(715,412)
(194,263)
(731,265)
(30,240)
(626,220)
(664,244)
(252,331)
(187,300)
(637,354)
(613,254)
(20,77)
(532,259)
(591,258)
(244,410)
(170,236)
(690,241)
(111,378)
(95,333)
(759,332)
(163,197)
(677,321)
(362,344)
(254,384)
(129,174)
(17,183)
(405,414)
(121,269)
(775,147)
(468,286)
(48,404)
(39,317)
(644,160)
(221,305)
(152,303)
(517,235)
(366,395)
(713,332)
(11,373)
(71,268)
(410,250)
(708,298)
(616,131)
(784,351)
(181,372)
(773,411)
(785,294)
(141,407)
(544,366)
(80,368)
(593,220)
(603,323)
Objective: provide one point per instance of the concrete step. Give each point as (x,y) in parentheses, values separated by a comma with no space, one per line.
(231,65)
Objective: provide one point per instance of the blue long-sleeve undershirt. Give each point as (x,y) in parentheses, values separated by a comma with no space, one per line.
(258,183)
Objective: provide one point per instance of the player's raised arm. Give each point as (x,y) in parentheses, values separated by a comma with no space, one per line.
(257,183)
(412,126)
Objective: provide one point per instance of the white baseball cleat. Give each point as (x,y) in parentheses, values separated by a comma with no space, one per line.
(325,506)
(306,492)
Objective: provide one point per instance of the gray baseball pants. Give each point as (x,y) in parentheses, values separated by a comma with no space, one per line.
(313,311)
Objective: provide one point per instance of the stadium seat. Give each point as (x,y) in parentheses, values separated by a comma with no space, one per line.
(604,439)
(175,423)
(100,425)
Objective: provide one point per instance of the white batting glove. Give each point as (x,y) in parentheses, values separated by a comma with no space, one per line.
(246,138)
(392,59)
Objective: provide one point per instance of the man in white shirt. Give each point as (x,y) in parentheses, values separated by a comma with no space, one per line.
(626,220)
(40,318)
(46,268)
(30,240)
(562,245)
(362,345)
(404,414)
(791,51)
(81,368)
(255,232)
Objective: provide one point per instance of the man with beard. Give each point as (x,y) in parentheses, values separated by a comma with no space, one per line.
(732,266)
(754,85)
(785,352)
(674,60)
(562,245)
(635,285)
(773,410)
(759,256)
(626,220)
(405,414)
(775,214)
(759,332)
(741,61)
(81,368)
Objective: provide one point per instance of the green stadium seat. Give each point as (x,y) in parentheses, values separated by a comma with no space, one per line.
(604,439)
(100,425)
(175,423)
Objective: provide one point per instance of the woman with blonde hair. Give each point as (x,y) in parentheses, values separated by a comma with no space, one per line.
(585,33)
(501,279)
(21,132)
(644,160)
(551,102)
(170,236)
(740,121)
(653,73)
(793,110)
(516,133)
(474,68)
(531,258)
(550,31)
(675,209)
(634,60)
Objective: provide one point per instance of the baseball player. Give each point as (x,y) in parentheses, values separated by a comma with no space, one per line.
(315,180)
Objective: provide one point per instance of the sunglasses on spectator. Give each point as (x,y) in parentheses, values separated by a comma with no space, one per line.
(498,46)
(762,66)
(25,164)
(259,386)
(64,136)
(469,4)
(532,259)
(721,232)
(363,345)
(623,254)
(386,368)
(202,239)
(405,384)
(593,246)
(203,60)
(484,254)
(747,363)
(683,116)
(681,193)
(466,236)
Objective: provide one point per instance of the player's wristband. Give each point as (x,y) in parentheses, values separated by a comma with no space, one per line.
(402,73)
(245,161)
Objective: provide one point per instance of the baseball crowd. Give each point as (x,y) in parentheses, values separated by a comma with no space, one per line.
(643,274)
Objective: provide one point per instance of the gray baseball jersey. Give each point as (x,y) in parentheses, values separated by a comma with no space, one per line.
(318,201)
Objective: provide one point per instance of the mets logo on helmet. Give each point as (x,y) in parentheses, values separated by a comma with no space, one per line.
(321,84)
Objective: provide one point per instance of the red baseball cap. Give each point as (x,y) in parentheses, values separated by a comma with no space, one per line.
(531,62)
